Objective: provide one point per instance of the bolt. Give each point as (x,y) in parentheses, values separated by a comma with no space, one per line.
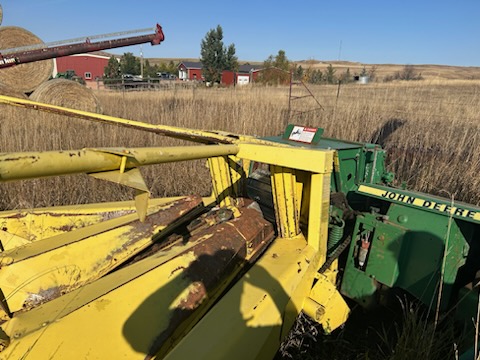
(402,219)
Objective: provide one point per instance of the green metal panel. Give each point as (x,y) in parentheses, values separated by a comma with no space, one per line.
(383,262)
(407,248)
(358,286)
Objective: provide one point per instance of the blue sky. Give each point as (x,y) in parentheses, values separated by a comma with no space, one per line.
(368,31)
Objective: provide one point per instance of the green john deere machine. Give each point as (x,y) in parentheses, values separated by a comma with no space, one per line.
(391,237)
(387,241)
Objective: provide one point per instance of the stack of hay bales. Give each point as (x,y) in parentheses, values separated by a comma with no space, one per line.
(33,78)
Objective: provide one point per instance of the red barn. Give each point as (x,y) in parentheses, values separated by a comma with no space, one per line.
(190,70)
(88,66)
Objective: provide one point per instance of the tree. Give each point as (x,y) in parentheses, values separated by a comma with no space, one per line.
(231,62)
(330,77)
(129,64)
(346,77)
(316,76)
(408,73)
(112,70)
(169,67)
(281,62)
(215,57)
(276,69)
(150,70)
(299,73)
(172,67)
(372,73)
(364,72)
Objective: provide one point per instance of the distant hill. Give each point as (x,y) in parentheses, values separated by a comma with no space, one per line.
(428,71)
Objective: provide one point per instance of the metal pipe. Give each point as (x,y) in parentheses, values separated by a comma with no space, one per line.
(85,47)
(28,165)
(76,40)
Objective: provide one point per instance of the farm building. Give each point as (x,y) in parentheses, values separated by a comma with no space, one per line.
(88,66)
(192,71)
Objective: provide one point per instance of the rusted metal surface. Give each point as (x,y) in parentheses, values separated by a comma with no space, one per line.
(161,218)
(35,267)
(33,223)
(223,251)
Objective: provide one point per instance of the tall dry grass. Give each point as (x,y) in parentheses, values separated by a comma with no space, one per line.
(434,151)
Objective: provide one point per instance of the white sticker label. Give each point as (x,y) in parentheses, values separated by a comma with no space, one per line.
(302,134)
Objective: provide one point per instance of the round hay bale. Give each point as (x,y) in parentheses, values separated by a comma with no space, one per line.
(24,77)
(9,91)
(67,93)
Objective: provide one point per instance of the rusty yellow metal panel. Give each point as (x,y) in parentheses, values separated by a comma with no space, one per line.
(24,226)
(42,270)
(145,308)
(150,306)
(112,326)
(248,322)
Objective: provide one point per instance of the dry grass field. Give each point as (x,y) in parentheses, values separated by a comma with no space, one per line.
(434,150)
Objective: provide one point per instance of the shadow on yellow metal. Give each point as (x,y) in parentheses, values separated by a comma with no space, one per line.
(169,278)
(249,321)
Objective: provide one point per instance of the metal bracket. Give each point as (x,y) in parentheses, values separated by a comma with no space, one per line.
(133,179)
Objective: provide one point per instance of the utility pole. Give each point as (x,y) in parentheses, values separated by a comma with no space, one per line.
(141,61)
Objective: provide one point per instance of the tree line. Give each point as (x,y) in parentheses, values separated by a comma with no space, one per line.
(216,58)
(130,64)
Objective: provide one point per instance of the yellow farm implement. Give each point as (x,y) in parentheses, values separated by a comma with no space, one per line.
(167,277)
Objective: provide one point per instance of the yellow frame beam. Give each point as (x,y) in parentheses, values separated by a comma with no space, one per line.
(27,165)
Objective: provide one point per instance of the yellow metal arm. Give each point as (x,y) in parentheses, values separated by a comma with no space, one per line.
(27,165)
